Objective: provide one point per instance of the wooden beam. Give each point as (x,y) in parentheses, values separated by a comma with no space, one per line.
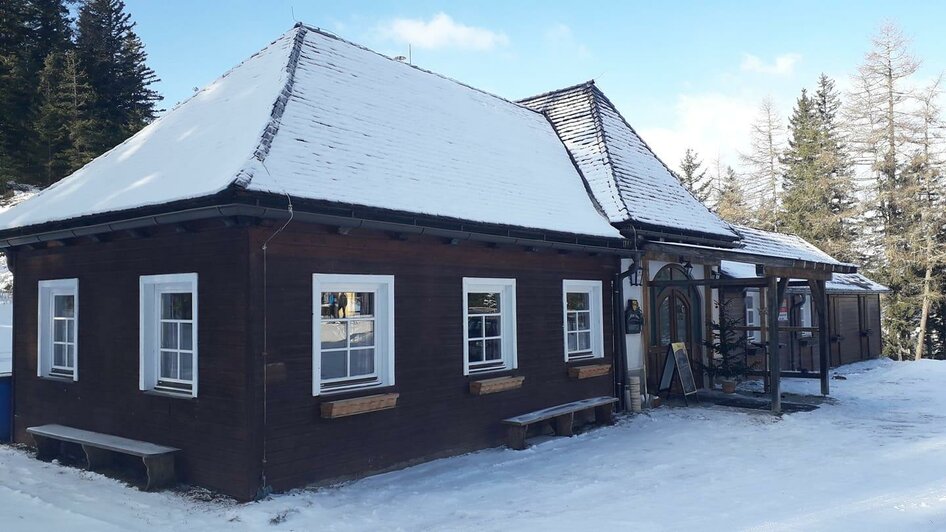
(776,291)
(795,273)
(819,298)
(753,282)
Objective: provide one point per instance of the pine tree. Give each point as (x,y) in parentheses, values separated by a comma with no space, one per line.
(731,205)
(881,126)
(65,129)
(764,167)
(816,202)
(113,58)
(692,175)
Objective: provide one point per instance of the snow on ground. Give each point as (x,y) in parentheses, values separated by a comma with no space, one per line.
(873,459)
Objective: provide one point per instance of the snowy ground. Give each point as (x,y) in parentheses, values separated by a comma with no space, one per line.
(874,460)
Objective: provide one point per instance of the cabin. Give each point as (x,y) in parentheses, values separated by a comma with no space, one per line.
(329,263)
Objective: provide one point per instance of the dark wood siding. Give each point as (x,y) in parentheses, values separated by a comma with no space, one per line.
(211,429)
(436,414)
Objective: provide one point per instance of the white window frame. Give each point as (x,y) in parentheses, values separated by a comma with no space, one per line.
(150,289)
(594,291)
(48,290)
(507,310)
(383,288)
(753,316)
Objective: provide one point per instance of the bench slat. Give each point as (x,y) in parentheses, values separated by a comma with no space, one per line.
(555,411)
(102,441)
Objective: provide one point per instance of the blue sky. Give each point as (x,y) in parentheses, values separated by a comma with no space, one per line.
(682,73)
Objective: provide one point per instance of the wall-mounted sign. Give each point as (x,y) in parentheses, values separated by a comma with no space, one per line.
(633,317)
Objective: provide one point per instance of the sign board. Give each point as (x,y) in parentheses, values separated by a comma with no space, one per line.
(678,362)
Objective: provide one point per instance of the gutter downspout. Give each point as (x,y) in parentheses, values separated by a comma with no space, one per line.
(621,389)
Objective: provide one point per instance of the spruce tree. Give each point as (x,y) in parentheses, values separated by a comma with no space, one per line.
(692,175)
(113,58)
(732,205)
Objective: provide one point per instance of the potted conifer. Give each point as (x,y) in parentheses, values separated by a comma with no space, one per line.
(728,347)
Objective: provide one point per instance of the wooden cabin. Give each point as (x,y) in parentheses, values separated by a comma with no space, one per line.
(329,263)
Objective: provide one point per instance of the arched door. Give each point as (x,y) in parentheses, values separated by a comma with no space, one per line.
(675,320)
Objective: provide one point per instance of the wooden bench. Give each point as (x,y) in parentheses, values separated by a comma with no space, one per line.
(158,459)
(563,415)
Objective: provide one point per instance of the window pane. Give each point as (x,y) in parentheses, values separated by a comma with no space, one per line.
(483,303)
(578,301)
(64,306)
(572,321)
(70,330)
(362,362)
(584,341)
(494,349)
(187,370)
(572,342)
(492,325)
(682,325)
(663,318)
(168,335)
(334,364)
(176,306)
(362,333)
(59,331)
(334,334)
(584,321)
(474,327)
(168,364)
(71,356)
(187,336)
(59,355)
(476,351)
(361,304)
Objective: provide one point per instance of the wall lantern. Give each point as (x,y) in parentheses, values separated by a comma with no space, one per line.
(637,268)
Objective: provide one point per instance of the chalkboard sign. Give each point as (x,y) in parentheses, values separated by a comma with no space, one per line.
(678,362)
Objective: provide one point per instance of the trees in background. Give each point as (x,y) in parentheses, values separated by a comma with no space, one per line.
(764,168)
(68,91)
(692,176)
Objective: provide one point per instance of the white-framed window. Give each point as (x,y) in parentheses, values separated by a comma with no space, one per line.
(753,319)
(352,332)
(805,314)
(583,325)
(489,325)
(168,333)
(57,343)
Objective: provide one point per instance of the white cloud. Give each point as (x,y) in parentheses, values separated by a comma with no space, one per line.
(783,65)
(561,37)
(713,124)
(441,31)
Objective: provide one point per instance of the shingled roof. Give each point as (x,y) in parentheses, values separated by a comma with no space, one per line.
(629,182)
(315,117)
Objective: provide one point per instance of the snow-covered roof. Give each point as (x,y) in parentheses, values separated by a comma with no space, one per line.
(839,282)
(629,181)
(316,117)
(769,244)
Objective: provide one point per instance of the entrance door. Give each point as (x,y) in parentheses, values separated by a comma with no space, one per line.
(674,323)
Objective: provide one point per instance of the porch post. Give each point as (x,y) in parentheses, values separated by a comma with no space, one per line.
(819,297)
(774,361)
(776,290)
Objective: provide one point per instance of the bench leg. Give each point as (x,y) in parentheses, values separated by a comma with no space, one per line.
(46,448)
(516,437)
(160,471)
(96,458)
(604,414)
(564,424)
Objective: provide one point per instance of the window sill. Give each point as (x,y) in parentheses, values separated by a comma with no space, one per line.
(589,371)
(172,395)
(59,378)
(499,384)
(358,405)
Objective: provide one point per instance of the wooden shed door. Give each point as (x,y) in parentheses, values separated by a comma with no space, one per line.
(848,331)
(870,326)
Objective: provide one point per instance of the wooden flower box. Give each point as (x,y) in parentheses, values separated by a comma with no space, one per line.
(358,405)
(587,372)
(499,384)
